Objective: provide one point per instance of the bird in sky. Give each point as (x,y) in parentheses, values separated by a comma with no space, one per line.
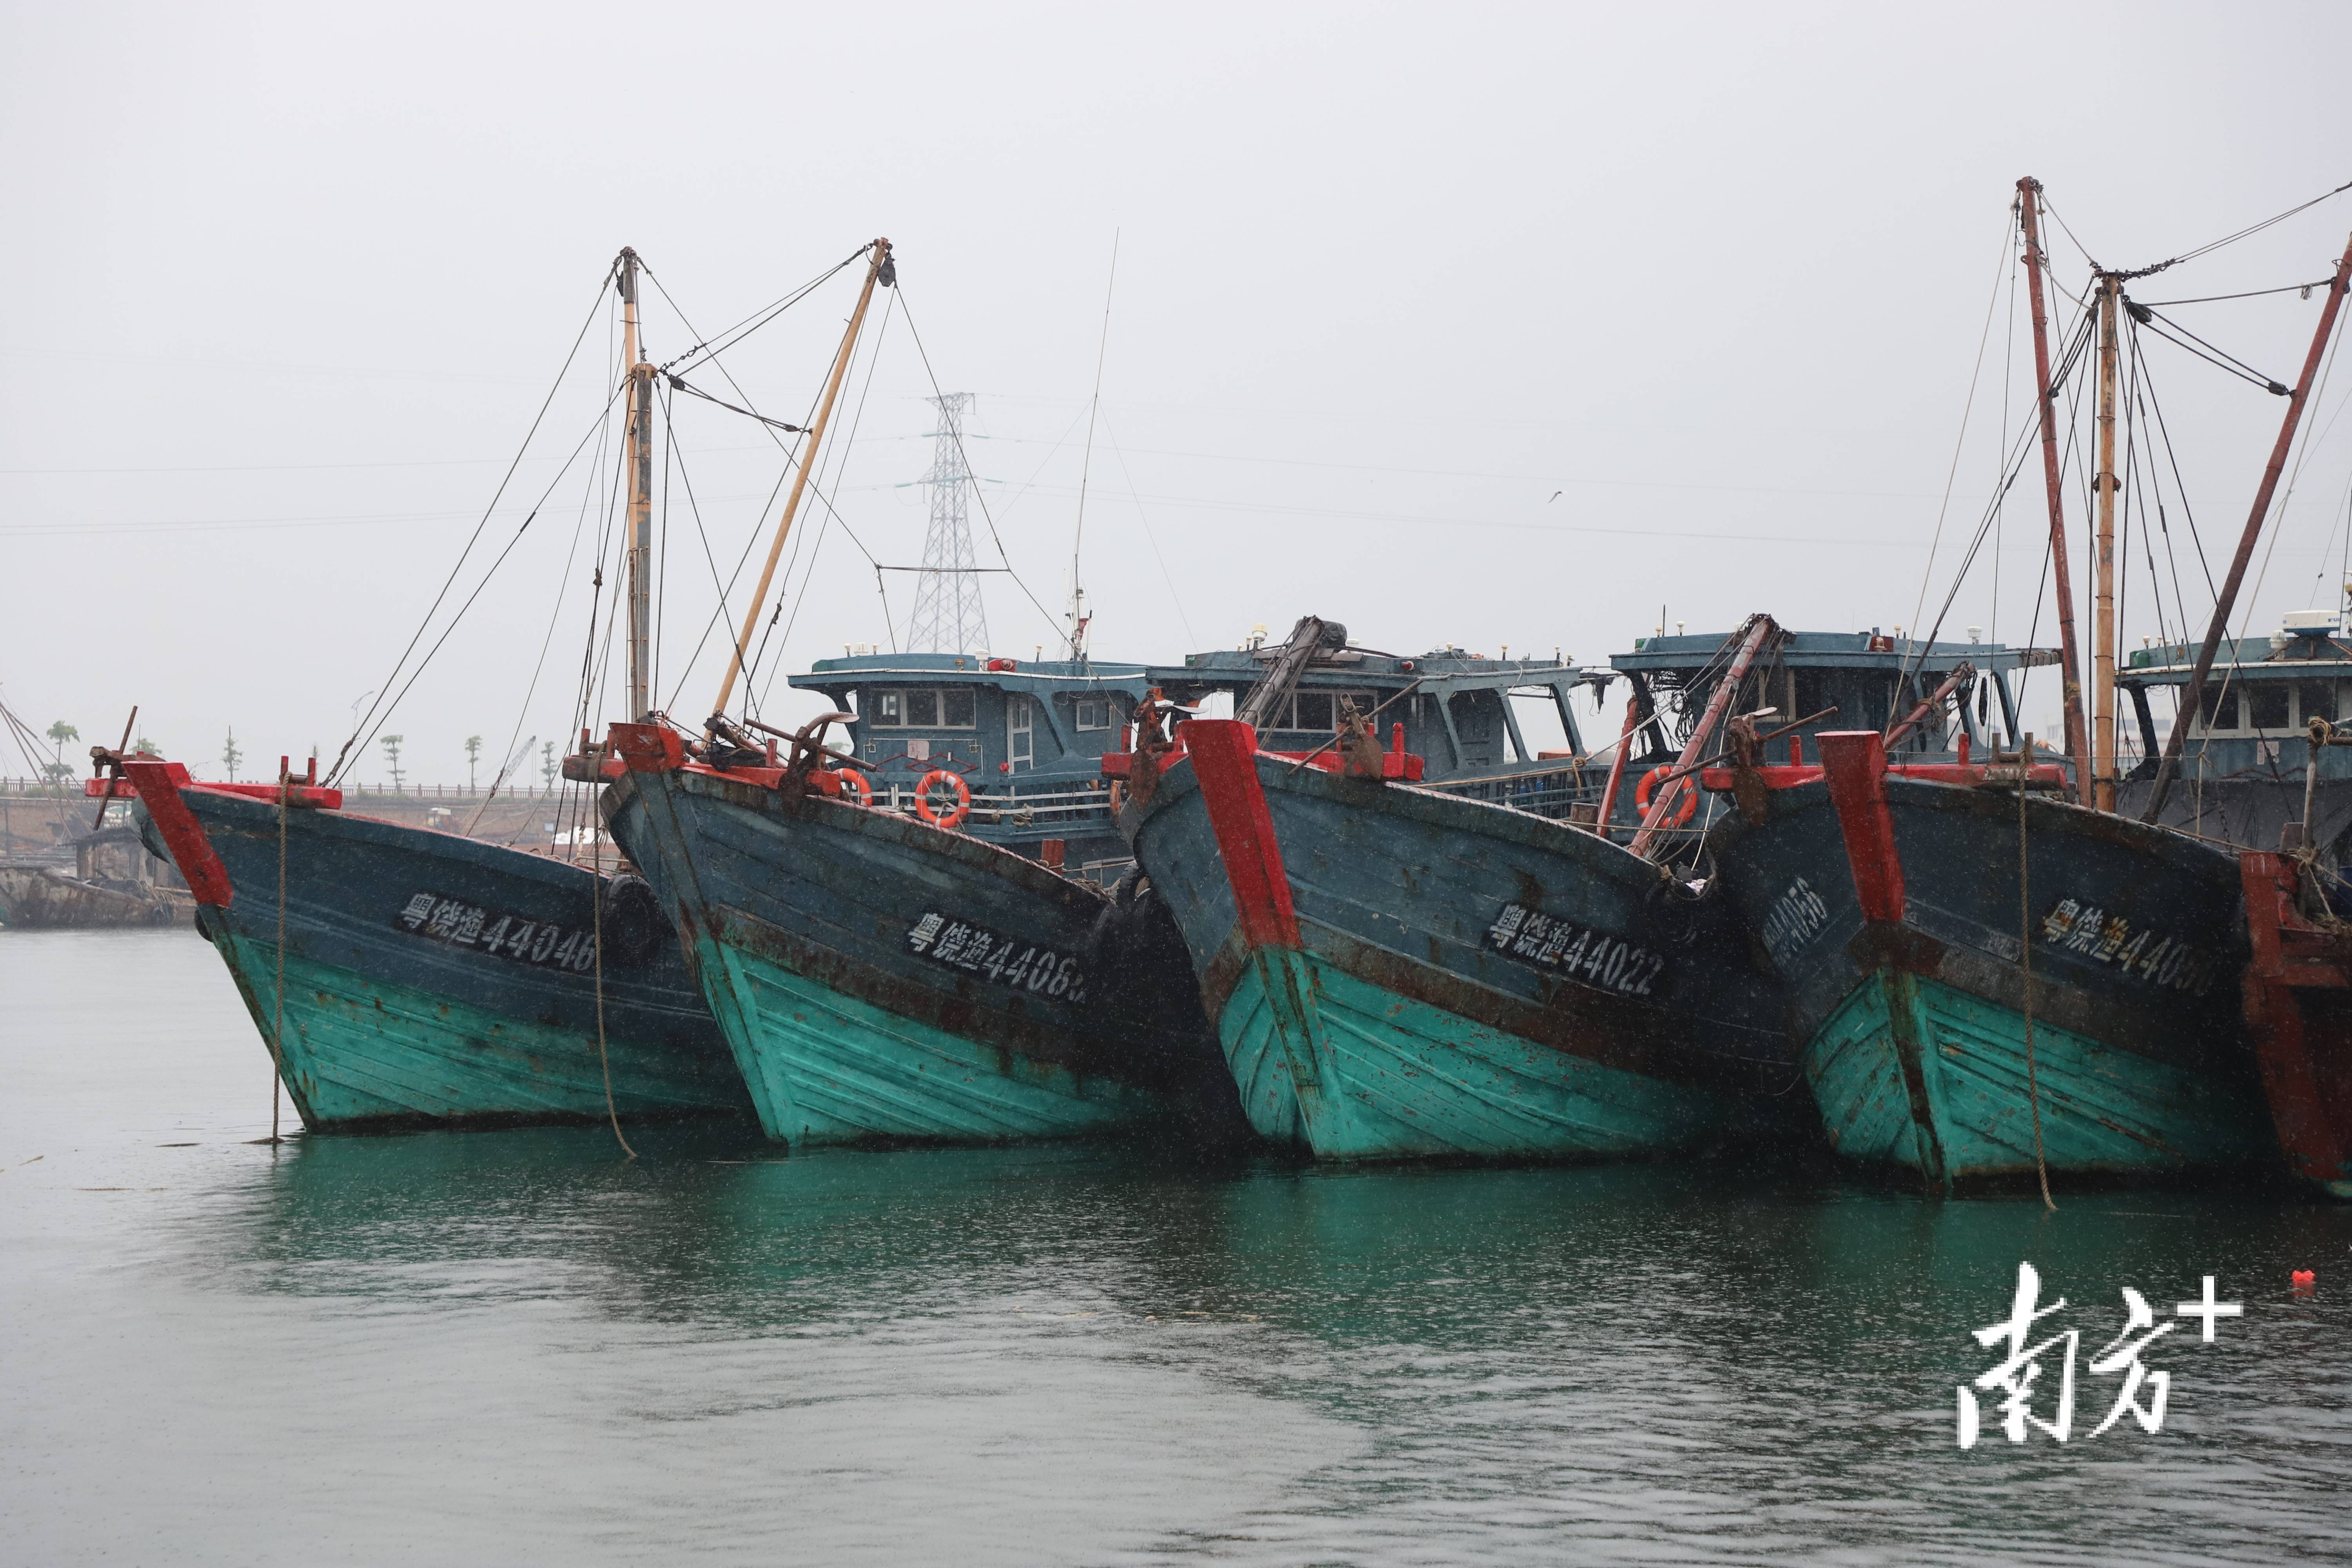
(1555,496)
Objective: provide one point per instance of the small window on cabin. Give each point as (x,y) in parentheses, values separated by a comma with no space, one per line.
(956,708)
(1314,712)
(2317,699)
(2266,705)
(890,708)
(923,709)
(2219,708)
(1094,713)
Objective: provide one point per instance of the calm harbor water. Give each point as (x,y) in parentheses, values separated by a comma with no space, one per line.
(520,1347)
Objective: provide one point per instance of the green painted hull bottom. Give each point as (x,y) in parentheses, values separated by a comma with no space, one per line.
(828,1068)
(2102,1110)
(1355,1071)
(363,1054)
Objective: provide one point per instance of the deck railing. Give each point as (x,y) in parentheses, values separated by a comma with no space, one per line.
(1051,812)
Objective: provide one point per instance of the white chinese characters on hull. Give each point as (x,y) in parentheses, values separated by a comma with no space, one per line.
(453,922)
(1001,960)
(1576,951)
(1797,917)
(2136,951)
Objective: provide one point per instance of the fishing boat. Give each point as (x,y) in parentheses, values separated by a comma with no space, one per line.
(882,977)
(2297,994)
(406,977)
(1395,972)
(114,882)
(1995,974)
(1948,1029)
(411,977)
(1025,739)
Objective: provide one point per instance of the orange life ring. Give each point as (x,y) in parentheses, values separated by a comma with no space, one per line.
(853,785)
(1682,813)
(923,799)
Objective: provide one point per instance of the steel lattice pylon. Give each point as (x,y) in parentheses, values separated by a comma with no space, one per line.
(949,616)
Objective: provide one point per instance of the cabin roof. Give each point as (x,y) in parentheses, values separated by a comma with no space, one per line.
(1451,667)
(1834,650)
(2287,656)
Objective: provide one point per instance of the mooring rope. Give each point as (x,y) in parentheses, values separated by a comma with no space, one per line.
(278,1021)
(596,905)
(2025,962)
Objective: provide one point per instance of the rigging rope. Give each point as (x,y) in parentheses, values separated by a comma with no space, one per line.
(602,288)
(2226,360)
(1959,443)
(2305,289)
(2025,963)
(2205,249)
(604,1057)
(278,1021)
(681,384)
(965,458)
(729,337)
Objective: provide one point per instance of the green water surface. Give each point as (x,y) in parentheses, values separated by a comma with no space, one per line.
(522,1347)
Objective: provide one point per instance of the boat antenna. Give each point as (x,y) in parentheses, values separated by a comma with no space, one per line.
(1078,616)
(637,453)
(2070,672)
(2193,694)
(879,267)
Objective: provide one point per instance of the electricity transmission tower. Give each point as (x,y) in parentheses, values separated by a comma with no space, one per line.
(949,617)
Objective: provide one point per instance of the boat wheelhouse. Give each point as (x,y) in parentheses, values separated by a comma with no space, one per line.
(1818,681)
(1027,737)
(2244,758)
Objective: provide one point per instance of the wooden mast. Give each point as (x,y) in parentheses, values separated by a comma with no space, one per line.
(2193,694)
(2103,625)
(735,665)
(2029,191)
(638,455)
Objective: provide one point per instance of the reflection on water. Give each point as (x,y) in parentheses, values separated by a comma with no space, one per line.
(519,1347)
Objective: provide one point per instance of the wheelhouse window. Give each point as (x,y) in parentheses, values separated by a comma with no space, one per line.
(1319,711)
(1095,713)
(2219,709)
(925,707)
(2266,705)
(2267,708)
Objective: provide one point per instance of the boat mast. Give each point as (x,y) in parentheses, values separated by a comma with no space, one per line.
(2103,628)
(2193,694)
(638,453)
(877,267)
(2029,192)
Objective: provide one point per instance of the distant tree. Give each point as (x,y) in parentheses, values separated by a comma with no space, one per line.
(547,765)
(61,732)
(392,744)
(230,755)
(473,756)
(144,747)
(57,771)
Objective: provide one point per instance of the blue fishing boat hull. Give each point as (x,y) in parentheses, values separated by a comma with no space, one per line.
(1915,1028)
(881,981)
(431,979)
(1396,974)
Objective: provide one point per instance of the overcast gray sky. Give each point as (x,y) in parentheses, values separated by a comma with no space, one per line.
(286,284)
